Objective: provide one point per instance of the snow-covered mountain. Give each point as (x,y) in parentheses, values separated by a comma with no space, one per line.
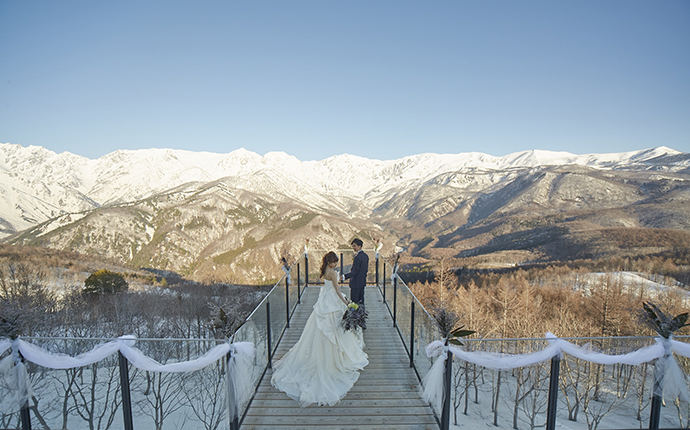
(232,216)
(37,184)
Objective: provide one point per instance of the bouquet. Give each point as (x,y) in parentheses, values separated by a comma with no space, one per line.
(354,317)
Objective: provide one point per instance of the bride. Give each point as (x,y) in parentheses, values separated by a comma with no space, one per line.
(325,362)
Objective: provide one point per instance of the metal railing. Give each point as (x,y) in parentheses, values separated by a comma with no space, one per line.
(265,326)
(416,327)
(583,394)
(565,389)
(113,394)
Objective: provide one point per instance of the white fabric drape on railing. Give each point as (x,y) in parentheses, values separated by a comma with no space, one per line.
(673,383)
(15,376)
(141,361)
(54,360)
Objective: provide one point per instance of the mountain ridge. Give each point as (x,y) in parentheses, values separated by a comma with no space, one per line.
(217,214)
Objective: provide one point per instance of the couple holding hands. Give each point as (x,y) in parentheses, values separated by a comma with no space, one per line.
(325,362)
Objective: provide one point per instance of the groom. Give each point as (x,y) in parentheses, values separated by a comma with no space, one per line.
(358,272)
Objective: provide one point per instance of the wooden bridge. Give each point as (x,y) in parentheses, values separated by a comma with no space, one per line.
(386,396)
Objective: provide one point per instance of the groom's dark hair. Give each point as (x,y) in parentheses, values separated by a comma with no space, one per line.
(357,242)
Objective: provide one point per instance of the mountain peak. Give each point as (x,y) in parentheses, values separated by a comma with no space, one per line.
(659,151)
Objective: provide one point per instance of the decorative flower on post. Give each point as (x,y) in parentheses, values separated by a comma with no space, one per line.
(669,377)
(377,246)
(395,268)
(661,322)
(434,385)
(286,269)
(447,321)
(306,247)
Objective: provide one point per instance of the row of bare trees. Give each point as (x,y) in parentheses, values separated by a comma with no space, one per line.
(569,304)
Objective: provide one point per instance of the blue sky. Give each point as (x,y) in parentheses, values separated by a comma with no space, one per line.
(382,79)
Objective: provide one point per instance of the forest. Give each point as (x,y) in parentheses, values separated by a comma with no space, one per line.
(579,298)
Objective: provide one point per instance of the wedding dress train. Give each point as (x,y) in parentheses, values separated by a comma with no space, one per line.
(325,363)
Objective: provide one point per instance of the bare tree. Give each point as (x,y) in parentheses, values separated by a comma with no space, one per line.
(206,392)
(640,389)
(594,402)
(96,399)
(505,300)
(459,373)
(162,393)
(25,300)
(570,377)
(536,397)
(163,398)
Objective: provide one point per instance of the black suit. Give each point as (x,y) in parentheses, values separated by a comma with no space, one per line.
(358,277)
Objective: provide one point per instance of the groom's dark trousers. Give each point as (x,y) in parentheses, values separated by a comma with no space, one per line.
(358,277)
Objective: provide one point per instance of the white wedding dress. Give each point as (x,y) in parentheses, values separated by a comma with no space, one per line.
(325,362)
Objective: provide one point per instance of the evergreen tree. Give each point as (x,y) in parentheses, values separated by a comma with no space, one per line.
(105,282)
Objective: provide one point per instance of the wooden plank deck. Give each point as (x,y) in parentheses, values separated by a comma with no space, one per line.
(386,395)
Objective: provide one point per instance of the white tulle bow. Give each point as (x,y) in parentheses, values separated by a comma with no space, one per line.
(15,376)
(240,372)
(287,274)
(433,381)
(435,348)
(673,382)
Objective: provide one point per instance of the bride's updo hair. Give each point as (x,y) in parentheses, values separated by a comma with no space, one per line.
(327,259)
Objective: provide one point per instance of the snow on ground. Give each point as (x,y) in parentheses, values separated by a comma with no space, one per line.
(621,416)
(635,283)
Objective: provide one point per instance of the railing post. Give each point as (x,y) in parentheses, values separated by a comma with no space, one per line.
(447,376)
(377,269)
(306,270)
(24,412)
(233,407)
(655,410)
(268,333)
(395,301)
(412,334)
(126,395)
(287,302)
(384,283)
(552,402)
(25,416)
(299,294)
(341,264)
